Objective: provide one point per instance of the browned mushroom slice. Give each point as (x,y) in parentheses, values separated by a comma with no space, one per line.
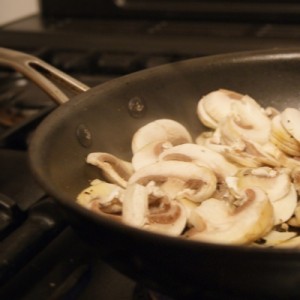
(114,169)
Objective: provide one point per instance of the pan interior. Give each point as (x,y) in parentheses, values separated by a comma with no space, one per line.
(102,115)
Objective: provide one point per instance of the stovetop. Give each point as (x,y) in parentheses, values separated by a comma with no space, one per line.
(41,257)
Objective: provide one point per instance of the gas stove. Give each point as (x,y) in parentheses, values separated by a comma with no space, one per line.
(41,257)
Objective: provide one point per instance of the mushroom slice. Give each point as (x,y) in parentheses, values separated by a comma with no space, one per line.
(284,207)
(290,120)
(102,197)
(295,220)
(201,155)
(169,218)
(135,205)
(241,158)
(182,179)
(277,185)
(274,238)
(214,107)
(241,225)
(291,243)
(160,130)
(255,155)
(275,182)
(153,213)
(283,139)
(114,169)
(149,154)
(247,121)
(295,176)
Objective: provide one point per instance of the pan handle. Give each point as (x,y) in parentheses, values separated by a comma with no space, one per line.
(58,85)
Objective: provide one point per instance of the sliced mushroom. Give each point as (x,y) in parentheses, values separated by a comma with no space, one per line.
(254,155)
(170,220)
(291,243)
(200,155)
(283,139)
(295,220)
(153,213)
(275,182)
(274,238)
(115,170)
(290,120)
(214,107)
(149,154)
(135,205)
(193,182)
(247,121)
(277,185)
(160,130)
(284,207)
(242,225)
(102,197)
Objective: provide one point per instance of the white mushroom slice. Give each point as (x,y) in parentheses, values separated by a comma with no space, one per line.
(275,182)
(255,155)
(291,162)
(214,107)
(212,140)
(284,208)
(195,182)
(241,158)
(244,225)
(102,197)
(291,243)
(295,220)
(270,154)
(271,112)
(170,220)
(295,176)
(282,139)
(290,119)
(247,121)
(158,214)
(114,169)
(135,205)
(149,154)
(160,130)
(277,185)
(201,155)
(274,238)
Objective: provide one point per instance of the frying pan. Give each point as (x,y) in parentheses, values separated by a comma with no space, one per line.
(105,117)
